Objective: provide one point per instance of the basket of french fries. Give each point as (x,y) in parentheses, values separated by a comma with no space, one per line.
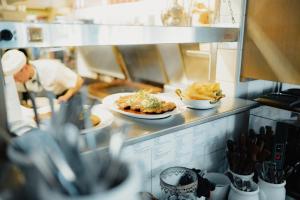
(201,95)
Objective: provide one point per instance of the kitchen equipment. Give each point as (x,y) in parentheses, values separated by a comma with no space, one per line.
(236,194)
(110,102)
(100,90)
(39,149)
(171,187)
(265,56)
(279,146)
(222,183)
(272,191)
(128,188)
(288,100)
(115,147)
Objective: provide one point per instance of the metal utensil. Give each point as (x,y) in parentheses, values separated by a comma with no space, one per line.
(34,106)
(115,148)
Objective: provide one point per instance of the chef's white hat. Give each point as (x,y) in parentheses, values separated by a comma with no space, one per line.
(12,62)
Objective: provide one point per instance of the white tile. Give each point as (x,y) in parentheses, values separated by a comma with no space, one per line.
(141,153)
(226,65)
(184,147)
(228,45)
(156,190)
(256,122)
(163,153)
(273,113)
(255,88)
(215,160)
(237,124)
(228,88)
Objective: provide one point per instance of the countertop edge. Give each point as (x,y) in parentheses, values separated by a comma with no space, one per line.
(152,135)
(155,134)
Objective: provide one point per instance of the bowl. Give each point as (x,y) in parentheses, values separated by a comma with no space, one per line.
(201,104)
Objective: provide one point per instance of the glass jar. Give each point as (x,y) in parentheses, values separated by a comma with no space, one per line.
(178,183)
(177,13)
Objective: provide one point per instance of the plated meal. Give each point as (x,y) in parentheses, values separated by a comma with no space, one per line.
(143,104)
(201,95)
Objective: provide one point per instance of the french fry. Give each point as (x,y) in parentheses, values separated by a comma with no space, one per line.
(206,91)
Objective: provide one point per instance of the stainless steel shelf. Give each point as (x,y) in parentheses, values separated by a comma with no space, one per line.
(53,35)
(142,130)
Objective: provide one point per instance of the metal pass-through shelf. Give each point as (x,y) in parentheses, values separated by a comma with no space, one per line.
(19,34)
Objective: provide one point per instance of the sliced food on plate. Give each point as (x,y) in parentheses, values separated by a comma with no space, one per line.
(145,103)
(201,95)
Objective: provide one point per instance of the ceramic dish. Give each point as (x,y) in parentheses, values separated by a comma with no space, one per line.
(201,104)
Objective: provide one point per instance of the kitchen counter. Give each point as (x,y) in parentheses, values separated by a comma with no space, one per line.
(142,130)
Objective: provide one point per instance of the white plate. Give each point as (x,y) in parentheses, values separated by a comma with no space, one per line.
(110,101)
(200,104)
(105,116)
(99,110)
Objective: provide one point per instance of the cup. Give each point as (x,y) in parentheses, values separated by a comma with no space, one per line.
(236,194)
(222,185)
(272,191)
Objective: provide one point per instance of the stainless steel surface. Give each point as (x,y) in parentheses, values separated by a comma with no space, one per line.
(144,63)
(54,35)
(142,130)
(100,59)
(172,62)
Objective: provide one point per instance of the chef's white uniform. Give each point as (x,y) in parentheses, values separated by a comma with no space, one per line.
(50,75)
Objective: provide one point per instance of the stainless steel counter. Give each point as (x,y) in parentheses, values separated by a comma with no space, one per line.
(142,130)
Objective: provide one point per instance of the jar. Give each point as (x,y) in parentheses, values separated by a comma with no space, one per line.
(174,188)
(176,13)
(272,191)
(236,194)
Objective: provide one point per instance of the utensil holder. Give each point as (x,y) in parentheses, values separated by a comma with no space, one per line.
(236,194)
(272,191)
(127,189)
(222,185)
(242,177)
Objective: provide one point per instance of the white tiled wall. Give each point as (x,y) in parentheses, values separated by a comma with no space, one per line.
(201,147)
(227,53)
(268,116)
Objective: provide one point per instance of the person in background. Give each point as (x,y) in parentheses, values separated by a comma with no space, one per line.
(43,75)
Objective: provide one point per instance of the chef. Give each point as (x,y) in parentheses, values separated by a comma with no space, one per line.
(43,75)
